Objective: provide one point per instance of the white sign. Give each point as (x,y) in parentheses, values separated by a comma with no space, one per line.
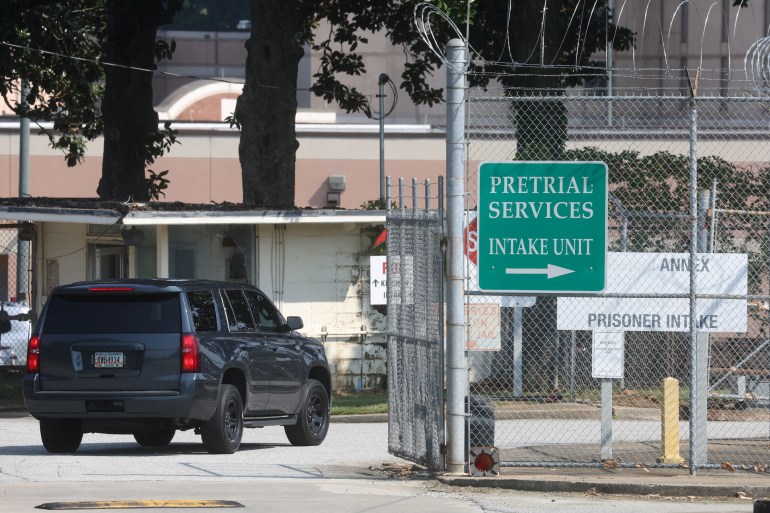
(669,273)
(662,273)
(607,355)
(484,318)
(401,279)
(378,280)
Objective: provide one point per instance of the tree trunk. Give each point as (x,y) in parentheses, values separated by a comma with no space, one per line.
(541,128)
(130,122)
(268,105)
(541,124)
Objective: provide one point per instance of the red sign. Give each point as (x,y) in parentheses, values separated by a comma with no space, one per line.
(471,240)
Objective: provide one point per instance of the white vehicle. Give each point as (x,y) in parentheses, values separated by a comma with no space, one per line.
(13,343)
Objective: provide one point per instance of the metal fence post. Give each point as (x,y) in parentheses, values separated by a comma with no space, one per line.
(457,362)
(698,346)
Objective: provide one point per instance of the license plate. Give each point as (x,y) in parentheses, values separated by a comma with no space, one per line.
(104,360)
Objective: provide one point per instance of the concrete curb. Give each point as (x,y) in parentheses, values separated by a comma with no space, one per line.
(729,486)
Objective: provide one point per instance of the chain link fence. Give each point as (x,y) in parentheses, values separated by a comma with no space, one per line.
(415,334)
(575,379)
(15,326)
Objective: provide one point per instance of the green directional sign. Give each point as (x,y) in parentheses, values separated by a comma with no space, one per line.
(542,226)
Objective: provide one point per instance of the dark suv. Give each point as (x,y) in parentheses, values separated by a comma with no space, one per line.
(149,357)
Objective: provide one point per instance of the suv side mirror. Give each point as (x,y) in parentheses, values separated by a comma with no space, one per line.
(294,323)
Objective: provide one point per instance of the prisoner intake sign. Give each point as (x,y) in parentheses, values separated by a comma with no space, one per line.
(660,274)
(542,226)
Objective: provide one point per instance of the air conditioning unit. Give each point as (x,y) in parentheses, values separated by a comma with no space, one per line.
(336,183)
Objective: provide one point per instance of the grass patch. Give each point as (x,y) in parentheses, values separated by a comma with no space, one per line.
(360,403)
(11,386)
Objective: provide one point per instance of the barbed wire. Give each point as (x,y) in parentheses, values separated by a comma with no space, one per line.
(756,62)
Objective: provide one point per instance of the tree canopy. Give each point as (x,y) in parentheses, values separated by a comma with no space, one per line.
(55,48)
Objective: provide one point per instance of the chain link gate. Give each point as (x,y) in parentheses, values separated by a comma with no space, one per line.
(540,378)
(15,284)
(415,333)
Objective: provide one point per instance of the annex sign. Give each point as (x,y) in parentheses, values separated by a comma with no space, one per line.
(662,273)
(542,226)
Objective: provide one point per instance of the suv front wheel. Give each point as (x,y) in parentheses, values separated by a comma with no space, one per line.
(313,421)
(222,433)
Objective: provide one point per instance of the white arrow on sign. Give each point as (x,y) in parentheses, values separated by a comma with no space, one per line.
(552,271)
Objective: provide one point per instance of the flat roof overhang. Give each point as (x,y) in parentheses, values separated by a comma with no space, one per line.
(189,217)
(144,218)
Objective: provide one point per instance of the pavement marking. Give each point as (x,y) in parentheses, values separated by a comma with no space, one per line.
(139,504)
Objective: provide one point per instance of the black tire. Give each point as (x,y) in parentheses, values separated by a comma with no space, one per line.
(222,433)
(60,435)
(762,506)
(313,422)
(157,438)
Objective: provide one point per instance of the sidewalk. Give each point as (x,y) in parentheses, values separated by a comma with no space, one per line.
(627,481)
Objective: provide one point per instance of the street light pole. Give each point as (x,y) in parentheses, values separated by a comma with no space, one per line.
(23,247)
(381,95)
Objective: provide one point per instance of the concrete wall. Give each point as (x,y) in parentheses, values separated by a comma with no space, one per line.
(321,272)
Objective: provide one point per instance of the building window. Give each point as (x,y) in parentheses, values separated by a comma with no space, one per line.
(214,252)
(684,84)
(766,27)
(684,19)
(724,76)
(725,20)
(724,81)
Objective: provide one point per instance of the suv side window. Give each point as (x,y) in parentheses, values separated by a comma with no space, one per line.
(204,313)
(239,317)
(268,318)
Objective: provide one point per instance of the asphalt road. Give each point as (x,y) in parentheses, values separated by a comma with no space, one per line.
(351,472)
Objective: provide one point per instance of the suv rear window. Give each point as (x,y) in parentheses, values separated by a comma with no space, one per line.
(114,313)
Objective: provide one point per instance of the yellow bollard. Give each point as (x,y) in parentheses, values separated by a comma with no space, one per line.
(669,423)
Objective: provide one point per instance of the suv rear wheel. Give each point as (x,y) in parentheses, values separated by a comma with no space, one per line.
(222,433)
(60,435)
(156,438)
(313,421)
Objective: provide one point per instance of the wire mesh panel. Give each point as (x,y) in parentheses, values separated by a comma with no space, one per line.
(415,348)
(15,327)
(576,378)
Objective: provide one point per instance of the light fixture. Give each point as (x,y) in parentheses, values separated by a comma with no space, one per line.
(27,231)
(132,236)
(484,461)
(336,183)
(333,199)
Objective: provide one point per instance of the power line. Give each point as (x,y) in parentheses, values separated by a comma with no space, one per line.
(166,73)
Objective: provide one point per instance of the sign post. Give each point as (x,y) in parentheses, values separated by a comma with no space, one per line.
(542,226)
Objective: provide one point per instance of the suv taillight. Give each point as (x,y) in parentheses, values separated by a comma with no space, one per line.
(33,354)
(191,361)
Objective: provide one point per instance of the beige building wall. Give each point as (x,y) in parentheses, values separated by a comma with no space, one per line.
(204,166)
